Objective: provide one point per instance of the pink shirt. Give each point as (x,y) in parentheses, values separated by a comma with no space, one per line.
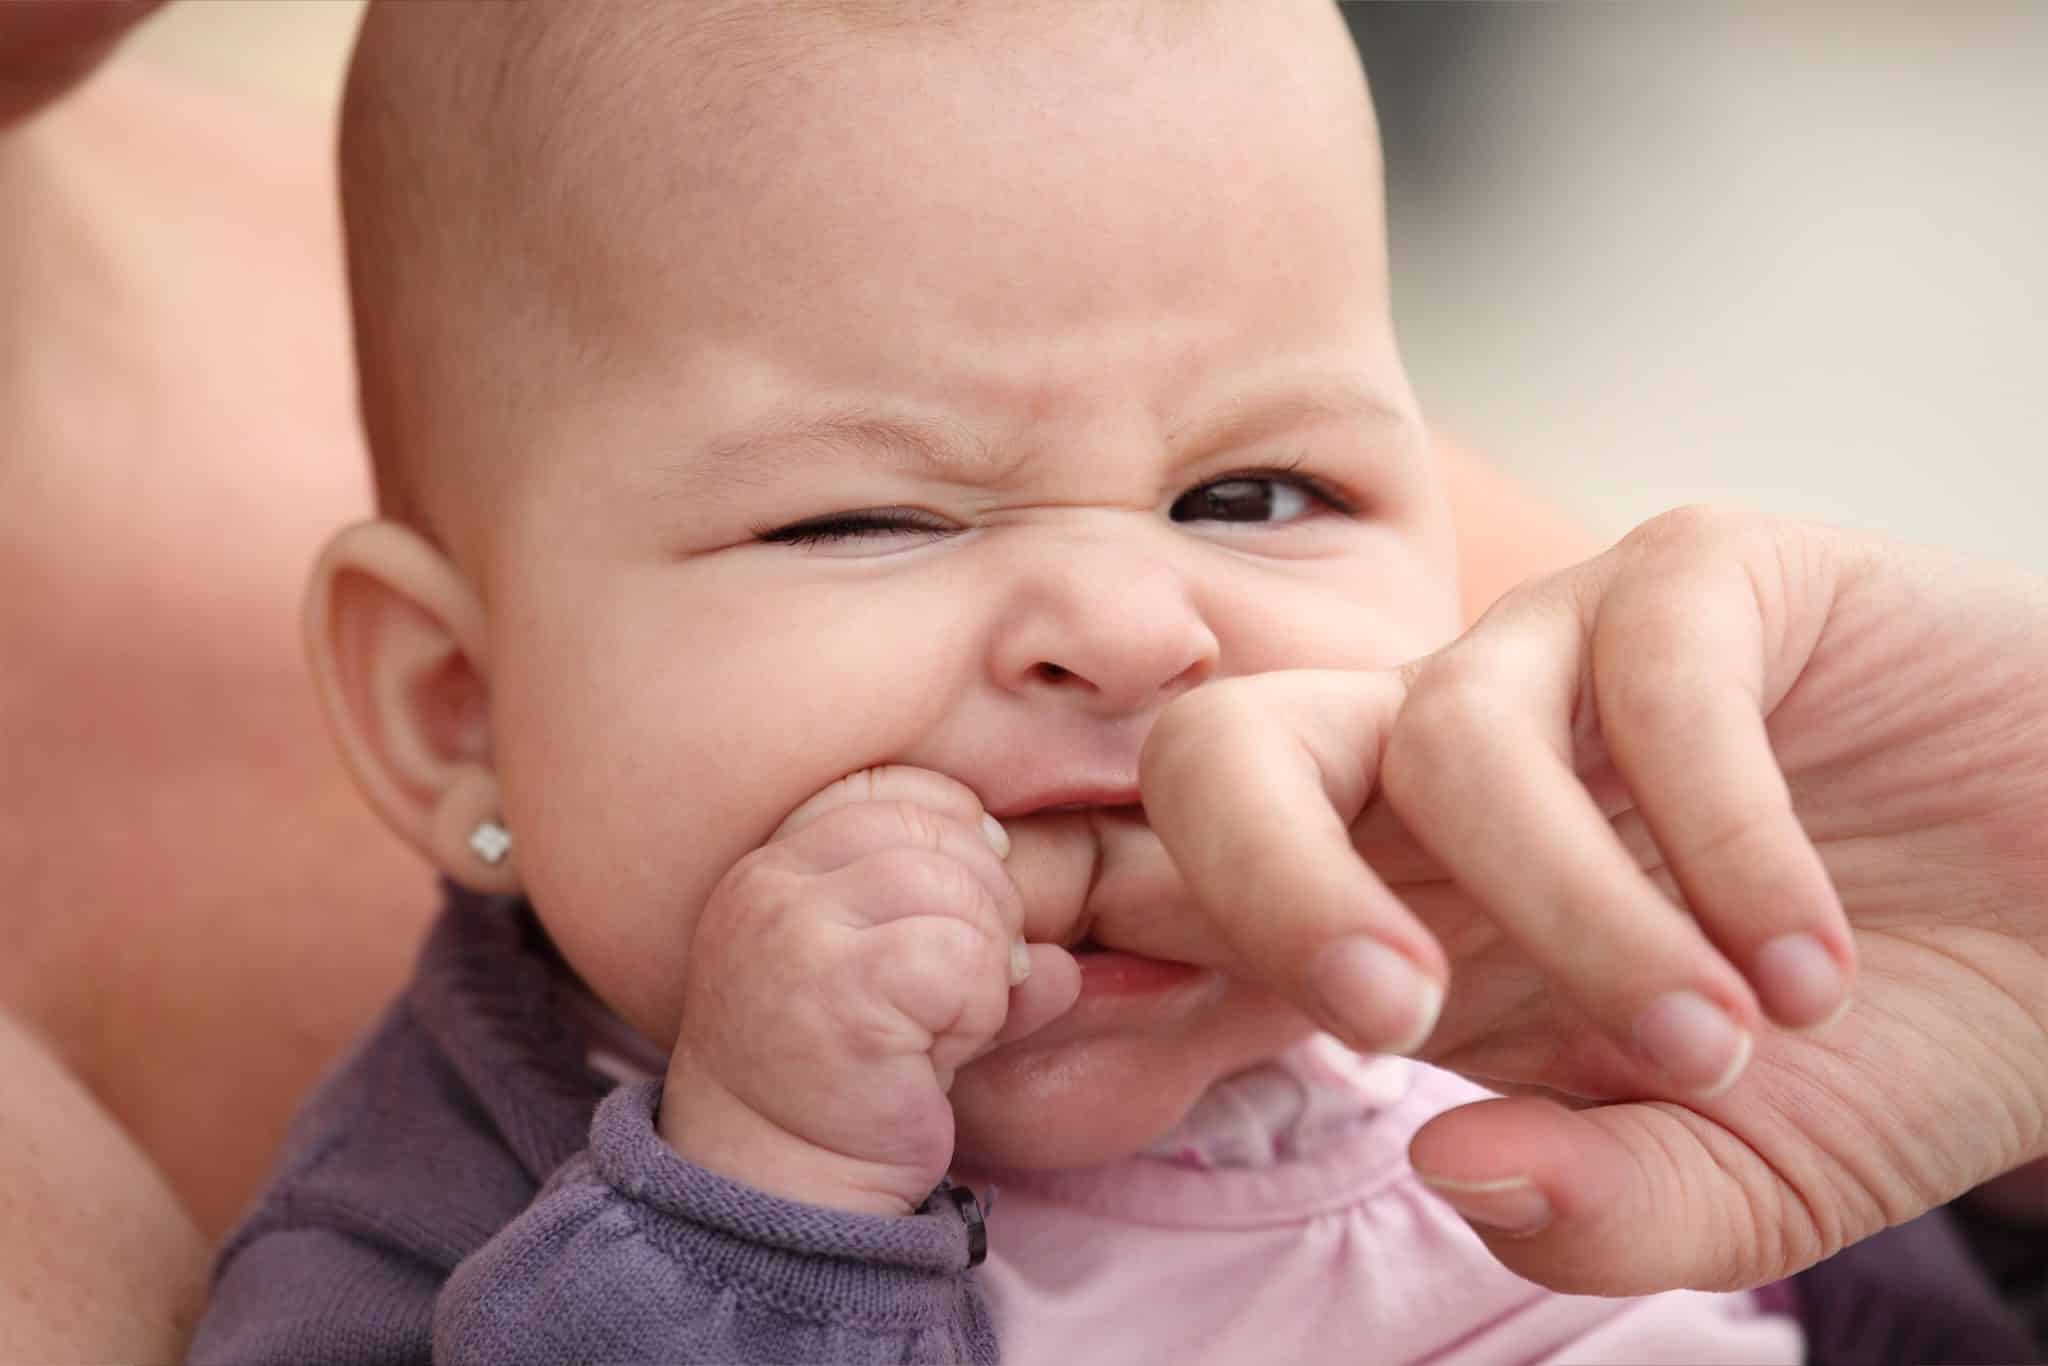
(1336,1255)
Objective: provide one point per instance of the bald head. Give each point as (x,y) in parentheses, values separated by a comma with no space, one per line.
(510,171)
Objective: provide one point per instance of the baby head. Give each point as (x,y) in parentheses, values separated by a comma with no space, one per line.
(763,391)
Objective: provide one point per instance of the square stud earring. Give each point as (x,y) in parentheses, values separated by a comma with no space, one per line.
(491,841)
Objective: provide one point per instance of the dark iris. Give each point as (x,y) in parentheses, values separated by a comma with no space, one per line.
(1226,500)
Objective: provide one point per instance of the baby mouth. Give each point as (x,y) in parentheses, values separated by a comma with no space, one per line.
(1061,852)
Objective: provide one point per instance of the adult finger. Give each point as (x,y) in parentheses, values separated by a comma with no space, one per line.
(1479,767)
(1252,783)
(1681,699)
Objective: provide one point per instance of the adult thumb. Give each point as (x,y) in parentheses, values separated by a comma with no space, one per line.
(1623,1199)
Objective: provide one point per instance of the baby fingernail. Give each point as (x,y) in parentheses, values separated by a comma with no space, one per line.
(1020,963)
(1514,1204)
(1798,980)
(1694,1041)
(1379,999)
(998,838)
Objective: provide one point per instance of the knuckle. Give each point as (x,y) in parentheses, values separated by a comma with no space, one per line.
(926,882)
(923,827)
(905,782)
(755,882)
(946,951)
(1433,735)
(1695,528)
(1744,837)
(1193,725)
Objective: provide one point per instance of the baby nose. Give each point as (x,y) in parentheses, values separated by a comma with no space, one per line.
(1112,633)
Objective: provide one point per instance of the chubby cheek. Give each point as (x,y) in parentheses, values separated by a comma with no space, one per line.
(645,748)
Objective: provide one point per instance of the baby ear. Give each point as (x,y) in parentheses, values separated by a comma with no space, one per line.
(397,644)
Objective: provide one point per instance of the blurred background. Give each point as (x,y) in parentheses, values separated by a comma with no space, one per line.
(1793,256)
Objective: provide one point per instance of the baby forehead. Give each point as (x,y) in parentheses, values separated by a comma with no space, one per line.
(721,51)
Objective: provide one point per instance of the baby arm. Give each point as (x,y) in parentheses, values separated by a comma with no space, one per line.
(777,1198)
(837,977)
(629,1254)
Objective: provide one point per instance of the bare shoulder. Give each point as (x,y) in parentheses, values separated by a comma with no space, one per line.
(1506,532)
(199,910)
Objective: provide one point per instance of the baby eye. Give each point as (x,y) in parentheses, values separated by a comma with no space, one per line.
(1256,498)
(849,526)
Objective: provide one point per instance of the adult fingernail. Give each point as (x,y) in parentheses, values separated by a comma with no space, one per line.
(998,838)
(1020,963)
(1694,1041)
(1798,980)
(1835,1017)
(1378,999)
(1513,1205)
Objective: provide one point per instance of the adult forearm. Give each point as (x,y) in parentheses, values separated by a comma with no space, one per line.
(100,1262)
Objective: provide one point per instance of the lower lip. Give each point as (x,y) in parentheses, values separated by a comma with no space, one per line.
(1108,973)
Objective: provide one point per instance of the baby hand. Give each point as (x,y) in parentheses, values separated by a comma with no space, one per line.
(838,977)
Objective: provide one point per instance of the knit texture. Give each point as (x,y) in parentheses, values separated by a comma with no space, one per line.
(463,1189)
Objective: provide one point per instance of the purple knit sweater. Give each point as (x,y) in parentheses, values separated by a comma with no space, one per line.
(463,1189)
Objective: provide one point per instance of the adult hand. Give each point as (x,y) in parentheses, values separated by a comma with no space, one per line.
(1629,810)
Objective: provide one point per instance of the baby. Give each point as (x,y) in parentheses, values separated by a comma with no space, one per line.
(926,391)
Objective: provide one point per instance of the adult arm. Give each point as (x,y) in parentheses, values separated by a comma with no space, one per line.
(199,909)
(99,1262)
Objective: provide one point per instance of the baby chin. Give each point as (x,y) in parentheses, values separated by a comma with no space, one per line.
(1114,1074)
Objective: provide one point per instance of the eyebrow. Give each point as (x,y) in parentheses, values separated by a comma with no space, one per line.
(770,449)
(1269,412)
(766,451)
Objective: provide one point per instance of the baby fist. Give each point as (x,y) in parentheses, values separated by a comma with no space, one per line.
(838,976)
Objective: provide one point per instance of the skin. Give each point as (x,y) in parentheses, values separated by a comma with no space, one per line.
(598,679)
(147,1050)
(1757,722)
(240,810)
(100,1263)
(919,473)
(171,786)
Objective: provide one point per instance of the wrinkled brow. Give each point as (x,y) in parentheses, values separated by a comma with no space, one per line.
(770,450)
(779,447)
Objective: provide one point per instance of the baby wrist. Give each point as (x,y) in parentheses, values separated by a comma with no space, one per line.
(707,1126)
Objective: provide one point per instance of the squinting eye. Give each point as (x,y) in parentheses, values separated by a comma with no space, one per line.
(848,526)
(1248,498)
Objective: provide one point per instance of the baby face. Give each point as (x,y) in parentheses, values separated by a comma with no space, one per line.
(986,391)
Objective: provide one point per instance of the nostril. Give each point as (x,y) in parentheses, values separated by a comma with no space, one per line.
(1053,673)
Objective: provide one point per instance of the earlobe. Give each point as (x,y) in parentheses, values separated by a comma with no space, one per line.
(397,645)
